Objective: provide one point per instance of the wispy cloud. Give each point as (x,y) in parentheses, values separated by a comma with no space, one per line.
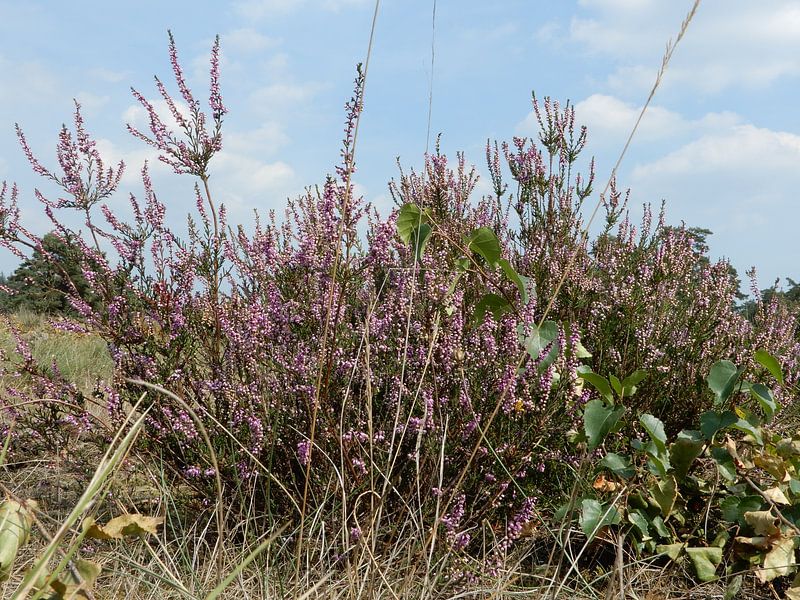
(732,43)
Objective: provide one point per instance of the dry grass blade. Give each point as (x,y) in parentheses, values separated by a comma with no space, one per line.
(243,564)
(212,455)
(109,462)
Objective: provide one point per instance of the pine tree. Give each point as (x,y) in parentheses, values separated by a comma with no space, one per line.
(42,284)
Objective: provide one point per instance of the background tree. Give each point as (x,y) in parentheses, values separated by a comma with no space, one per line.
(42,282)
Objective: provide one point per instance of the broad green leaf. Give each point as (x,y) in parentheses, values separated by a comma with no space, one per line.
(658,464)
(722,380)
(733,508)
(722,538)
(733,588)
(631,381)
(519,280)
(684,450)
(655,429)
(483,241)
(779,561)
(615,383)
(581,351)
(595,516)
(711,422)
(408,219)
(750,426)
(639,519)
(705,561)
(618,464)
(770,363)
(671,550)
(598,420)
(540,337)
(725,464)
(660,527)
(599,382)
(493,303)
(665,493)
(765,398)
(15,528)
(419,240)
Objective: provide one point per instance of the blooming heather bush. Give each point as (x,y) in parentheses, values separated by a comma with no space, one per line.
(359,373)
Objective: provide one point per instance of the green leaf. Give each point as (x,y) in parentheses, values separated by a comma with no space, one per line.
(631,381)
(483,241)
(750,426)
(408,219)
(665,493)
(722,380)
(733,588)
(770,363)
(684,450)
(493,303)
(711,422)
(15,528)
(638,519)
(705,561)
(655,429)
(725,464)
(618,464)
(671,550)
(660,527)
(419,239)
(733,508)
(595,516)
(519,280)
(599,382)
(615,383)
(765,398)
(598,420)
(541,337)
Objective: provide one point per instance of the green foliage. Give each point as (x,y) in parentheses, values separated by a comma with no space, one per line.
(757,497)
(43,282)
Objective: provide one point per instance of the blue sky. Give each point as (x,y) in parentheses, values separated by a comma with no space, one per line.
(721,142)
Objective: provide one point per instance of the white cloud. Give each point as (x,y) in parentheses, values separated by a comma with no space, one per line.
(728,44)
(740,181)
(247,40)
(107,75)
(136,114)
(280,96)
(265,139)
(33,83)
(610,120)
(743,150)
(90,102)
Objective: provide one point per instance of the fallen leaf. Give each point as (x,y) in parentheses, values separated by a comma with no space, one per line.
(118,527)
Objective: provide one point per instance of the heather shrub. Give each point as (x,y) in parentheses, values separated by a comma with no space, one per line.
(385,381)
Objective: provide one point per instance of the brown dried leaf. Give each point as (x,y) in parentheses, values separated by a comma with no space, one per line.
(601,484)
(763,522)
(118,527)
